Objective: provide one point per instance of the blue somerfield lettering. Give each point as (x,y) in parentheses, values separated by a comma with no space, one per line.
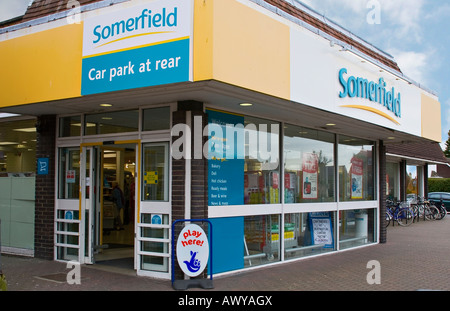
(147,19)
(97,34)
(373,91)
(343,83)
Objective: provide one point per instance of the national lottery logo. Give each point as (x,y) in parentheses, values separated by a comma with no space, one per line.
(192,250)
(193,265)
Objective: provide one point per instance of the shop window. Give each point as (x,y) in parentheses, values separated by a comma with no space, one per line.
(308,234)
(356,227)
(392,181)
(262,180)
(17,183)
(112,122)
(412,182)
(261,239)
(243,160)
(155,174)
(70,126)
(18,148)
(156,119)
(69,173)
(309,168)
(356,169)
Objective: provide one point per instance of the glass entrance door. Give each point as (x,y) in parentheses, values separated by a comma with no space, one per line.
(117,205)
(108,203)
(153,234)
(88,203)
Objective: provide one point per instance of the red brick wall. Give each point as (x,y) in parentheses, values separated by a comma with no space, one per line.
(45,189)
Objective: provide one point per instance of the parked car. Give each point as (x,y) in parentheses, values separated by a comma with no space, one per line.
(437,197)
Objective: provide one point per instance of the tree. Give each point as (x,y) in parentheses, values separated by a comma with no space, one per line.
(447,146)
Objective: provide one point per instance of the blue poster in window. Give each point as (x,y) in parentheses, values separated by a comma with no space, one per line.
(225,159)
(321,229)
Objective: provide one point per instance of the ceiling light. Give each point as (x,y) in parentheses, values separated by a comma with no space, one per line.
(391,138)
(7,115)
(246,104)
(105,105)
(27,130)
(330,124)
(87,124)
(4,143)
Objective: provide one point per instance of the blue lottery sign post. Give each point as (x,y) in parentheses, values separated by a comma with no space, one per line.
(193,253)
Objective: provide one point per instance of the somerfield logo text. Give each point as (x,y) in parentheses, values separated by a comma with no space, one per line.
(373,91)
(166,18)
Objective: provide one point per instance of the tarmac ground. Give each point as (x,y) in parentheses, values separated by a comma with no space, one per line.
(415,258)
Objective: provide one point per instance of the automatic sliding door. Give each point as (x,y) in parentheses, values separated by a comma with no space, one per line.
(154,217)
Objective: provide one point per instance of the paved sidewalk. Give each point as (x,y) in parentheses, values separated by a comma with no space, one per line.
(415,258)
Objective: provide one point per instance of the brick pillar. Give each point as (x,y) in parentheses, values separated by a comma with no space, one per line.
(382,192)
(425,181)
(45,189)
(197,197)
(402,195)
(199,174)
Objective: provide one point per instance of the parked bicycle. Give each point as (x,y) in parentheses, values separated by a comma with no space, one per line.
(442,210)
(399,212)
(426,210)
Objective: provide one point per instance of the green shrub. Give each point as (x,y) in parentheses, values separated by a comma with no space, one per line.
(438,184)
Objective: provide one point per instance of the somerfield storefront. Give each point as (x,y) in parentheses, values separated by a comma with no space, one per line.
(236,111)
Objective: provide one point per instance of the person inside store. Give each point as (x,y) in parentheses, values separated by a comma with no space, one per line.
(119,202)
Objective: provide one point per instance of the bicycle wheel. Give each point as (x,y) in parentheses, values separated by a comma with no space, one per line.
(427,213)
(431,212)
(435,212)
(442,212)
(405,217)
(421,210)
(388,219)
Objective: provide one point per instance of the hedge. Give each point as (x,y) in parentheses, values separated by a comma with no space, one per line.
(438,184)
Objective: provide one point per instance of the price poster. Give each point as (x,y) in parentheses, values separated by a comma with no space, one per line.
(310,168)
(356,178)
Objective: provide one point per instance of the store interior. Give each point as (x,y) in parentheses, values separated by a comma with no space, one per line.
(115,240)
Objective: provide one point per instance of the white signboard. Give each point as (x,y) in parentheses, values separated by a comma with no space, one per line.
(152,23)
(335,80)
(192,250)
(140,46)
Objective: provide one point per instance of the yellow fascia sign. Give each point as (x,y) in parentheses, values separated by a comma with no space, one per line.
(40,66)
